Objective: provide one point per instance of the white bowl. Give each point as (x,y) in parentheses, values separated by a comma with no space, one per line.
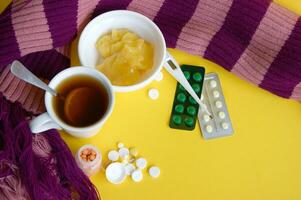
(132,21)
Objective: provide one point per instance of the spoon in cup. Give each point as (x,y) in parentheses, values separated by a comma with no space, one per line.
(76,98)
(20,71)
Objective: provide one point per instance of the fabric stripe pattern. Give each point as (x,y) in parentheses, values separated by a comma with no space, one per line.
(263,48)
(286,66)
(172,17)
(240,24)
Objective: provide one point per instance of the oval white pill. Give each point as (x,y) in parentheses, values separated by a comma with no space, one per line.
(137,175)
(218,104)
(213,83)
(153,94)
(209,128)
(129,168)
(154,171)
(141,163)
(225,125)
(206,118)
(120,145)
(215,94)
(159,76)
(221,114)
(124,152)
(113,155)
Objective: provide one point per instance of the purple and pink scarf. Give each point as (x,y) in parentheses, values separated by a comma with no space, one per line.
(257,40)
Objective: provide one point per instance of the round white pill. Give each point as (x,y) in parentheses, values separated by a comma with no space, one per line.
(209,128)
(206,118)
(218,104)
(124,152)
(137,175)
(113,155)
(221,114)
(120,145)
(225,125)
(153,94)
(141,163)
(154,171)
(129,168)
(213,83)
(115,173)
(215,94)
(159,76)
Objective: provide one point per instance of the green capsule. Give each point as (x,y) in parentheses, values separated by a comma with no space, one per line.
(189,121)
(192,101)
(179,108)
(191,110)
(196,87)
(187,75)
(181,97)
(197,77)
(177,119)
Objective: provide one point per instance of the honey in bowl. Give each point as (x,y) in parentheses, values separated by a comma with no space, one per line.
(86,101)
(126,58)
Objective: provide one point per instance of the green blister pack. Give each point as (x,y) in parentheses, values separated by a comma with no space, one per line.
(185,108)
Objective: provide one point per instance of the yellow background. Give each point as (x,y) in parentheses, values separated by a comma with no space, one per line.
(262,160)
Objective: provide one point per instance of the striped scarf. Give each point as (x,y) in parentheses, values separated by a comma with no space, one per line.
(257,40)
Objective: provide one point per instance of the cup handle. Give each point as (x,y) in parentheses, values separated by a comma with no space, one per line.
(42,123)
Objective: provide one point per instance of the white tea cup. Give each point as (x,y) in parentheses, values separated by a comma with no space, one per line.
(50,119)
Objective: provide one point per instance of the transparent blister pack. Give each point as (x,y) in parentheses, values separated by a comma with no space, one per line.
(220,124)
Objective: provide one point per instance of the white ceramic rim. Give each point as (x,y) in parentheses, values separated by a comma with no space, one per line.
(119,13)
(78,70)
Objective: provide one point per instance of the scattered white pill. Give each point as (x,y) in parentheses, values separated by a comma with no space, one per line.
(159,76)
(215,94)
(124,152)
(154,171)
(141,163)
(115,173)
(137,175)
(134,151)
(153,94)
(113,155)
(129,168)
(120,145)
(218,104)
(209,128)
(206,118)
(225,125)
(221,114)
(213,83)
